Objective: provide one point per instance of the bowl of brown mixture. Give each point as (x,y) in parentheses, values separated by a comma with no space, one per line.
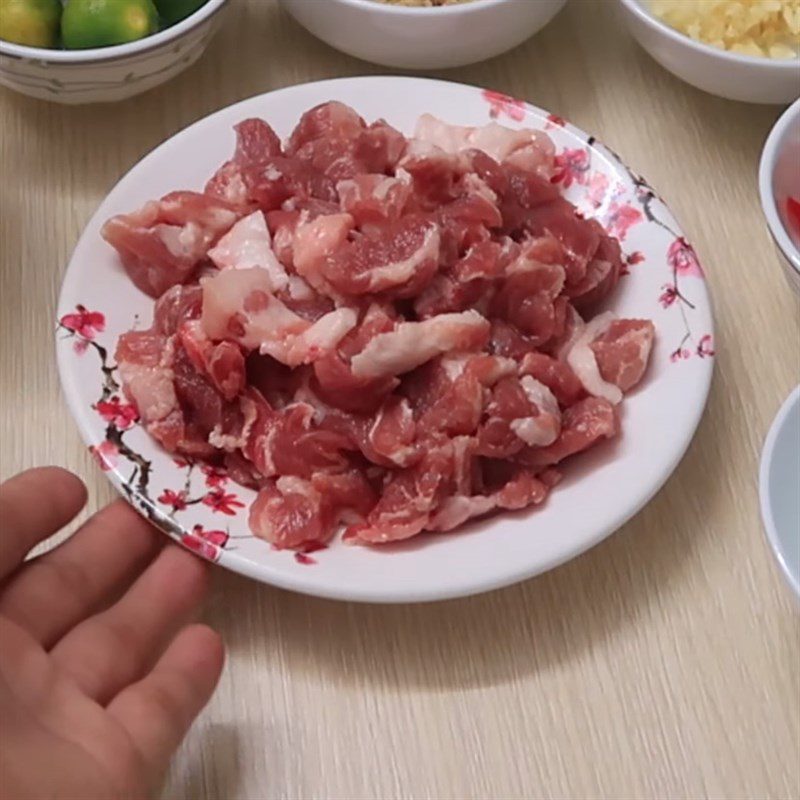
(423,34)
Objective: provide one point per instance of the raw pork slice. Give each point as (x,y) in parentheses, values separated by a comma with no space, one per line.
(161,244)
(238,305)
(623,351)
(384,334)
(247,245)
(414,343)
(527,149)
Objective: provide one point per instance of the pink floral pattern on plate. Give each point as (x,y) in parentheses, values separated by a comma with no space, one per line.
(572,166)
(120,418)
(503,104)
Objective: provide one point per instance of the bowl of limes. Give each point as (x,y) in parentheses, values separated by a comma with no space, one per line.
(95,51)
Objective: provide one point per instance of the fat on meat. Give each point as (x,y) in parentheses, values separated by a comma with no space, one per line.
(413,343)
(162,244)
(384,334)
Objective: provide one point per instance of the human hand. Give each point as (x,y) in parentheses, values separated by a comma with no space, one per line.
(100,675)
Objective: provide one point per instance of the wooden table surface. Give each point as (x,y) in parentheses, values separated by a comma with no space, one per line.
(665,663)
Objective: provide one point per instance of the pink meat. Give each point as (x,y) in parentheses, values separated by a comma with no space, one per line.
(292,512)
(385,334)
(144,362)
(334,379)
(335,141)
(373,199)
(408,500)
(289,442)
(554,374)
(413,343)
(329,120)
(623,351)
(527,149)
(398,260)
(523,488)
(521,412)
(583,425)
(255,142)
(390,436)
(177,305)
(238,305)
(602,275)
(162,243)
(223,362)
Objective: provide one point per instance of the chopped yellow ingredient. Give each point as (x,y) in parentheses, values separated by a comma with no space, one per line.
(767,28)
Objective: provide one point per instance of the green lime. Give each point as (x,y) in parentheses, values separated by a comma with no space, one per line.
(31,22)
(99,23)
(173,11)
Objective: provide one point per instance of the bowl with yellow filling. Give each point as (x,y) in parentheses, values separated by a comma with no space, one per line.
(747,50)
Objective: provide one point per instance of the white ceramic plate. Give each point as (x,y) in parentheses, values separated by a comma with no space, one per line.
(601,490)
(779,480)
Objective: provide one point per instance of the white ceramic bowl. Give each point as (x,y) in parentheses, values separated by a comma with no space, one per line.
(779,489)
(106,74)
(601,489)
(423,38)
(736,77)
(779,179)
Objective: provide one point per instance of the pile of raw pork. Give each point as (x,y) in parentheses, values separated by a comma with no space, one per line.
(375,331)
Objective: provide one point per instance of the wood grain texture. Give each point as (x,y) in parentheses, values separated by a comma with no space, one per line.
(665,663)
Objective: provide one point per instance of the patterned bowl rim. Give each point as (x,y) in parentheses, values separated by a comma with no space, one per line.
(97,55)
(681,263)
(766,168)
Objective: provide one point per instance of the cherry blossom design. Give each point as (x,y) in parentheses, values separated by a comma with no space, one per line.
(86,324)
(636,257)
(223,502)
(621,217)
(176,500)
(181,463)
(203,548)
(302,556)
(105,454)
(217,538)
(668,295)
(216,477)
(597,189)
(114,411)
(553,120)
(572,166)
(680,354)
(683,259)
(705,348)
(500,104)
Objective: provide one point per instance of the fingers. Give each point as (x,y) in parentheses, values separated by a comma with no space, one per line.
(34,505)
(111,650)
(54,592)
(158,710)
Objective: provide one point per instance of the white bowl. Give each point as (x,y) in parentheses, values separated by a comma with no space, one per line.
(731,75)
(778,179)
(423,38)
(106,74)
(600,491)
(779,489)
